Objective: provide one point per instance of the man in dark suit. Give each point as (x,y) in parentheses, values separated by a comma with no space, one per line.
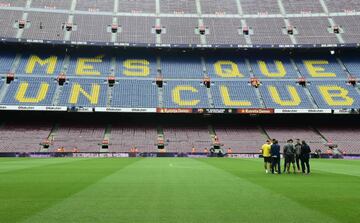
(305,157)
(275,155)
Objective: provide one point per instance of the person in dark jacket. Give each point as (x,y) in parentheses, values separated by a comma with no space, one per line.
(305,157)
(297,153)
(275,155)
(289,153)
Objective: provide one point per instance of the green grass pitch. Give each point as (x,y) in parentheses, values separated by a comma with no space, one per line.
(175,190)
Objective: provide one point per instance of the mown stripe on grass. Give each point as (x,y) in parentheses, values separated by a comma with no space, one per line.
(334,195)
(15,164)
(176,191)
(25,192)
(352,168)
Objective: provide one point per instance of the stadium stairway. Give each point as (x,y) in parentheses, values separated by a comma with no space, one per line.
(107,135)
(257,91)
(3,91)
(214,138)
(161,136)
(160,97)
(57,95)
(263,132)
(358,88)
(211,101)
(343,66)
(306,90)
(109,94)
(319,133)
(50,138)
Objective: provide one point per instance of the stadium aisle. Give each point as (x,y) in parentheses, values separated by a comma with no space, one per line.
(184,190)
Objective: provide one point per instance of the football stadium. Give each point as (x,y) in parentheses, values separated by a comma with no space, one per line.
(184,111)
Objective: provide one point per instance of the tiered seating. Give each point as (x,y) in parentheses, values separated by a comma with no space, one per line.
(336,88)
(137,6)
(40,64)
(268,31)
(240,138)
(313,30)
(347,138)
(124,137)
(134,94)
(54,4)
(93,18)
(136,29)
(132,65)
(182,138)
(23,137)
(30,91)
(185,94)
(234,94)
(84,93)
(350,28)
(283,132)
(223,65)
(181,66)
(260,7)
(92,28)
(303,6)
(329,67)
(352,64)
(342,5)
(218,7)
(6,61)
(180,30)
(183,75)
(290,95)
(84,137)
(45,26)
(95,65)
(269,67)
(95,5)
(14,3)
(178,7)
(224,31)
(7,21)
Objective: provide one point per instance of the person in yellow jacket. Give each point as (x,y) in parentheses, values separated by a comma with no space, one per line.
(265,150)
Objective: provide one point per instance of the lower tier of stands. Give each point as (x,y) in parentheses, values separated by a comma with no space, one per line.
(183,137)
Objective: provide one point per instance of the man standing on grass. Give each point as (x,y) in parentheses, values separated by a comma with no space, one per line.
(275,155)
(289,153)
(297,153)
(265,149)
(305,157)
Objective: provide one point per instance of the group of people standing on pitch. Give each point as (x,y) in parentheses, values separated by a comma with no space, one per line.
(293,153)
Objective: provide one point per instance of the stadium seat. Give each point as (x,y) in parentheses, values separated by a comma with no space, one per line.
(334,94)
(6,61)
(79,92)
(135,94)
(185,94)
(234,94)
(284,95)
(26,91)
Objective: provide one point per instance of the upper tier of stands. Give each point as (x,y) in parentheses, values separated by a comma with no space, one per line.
(174,22)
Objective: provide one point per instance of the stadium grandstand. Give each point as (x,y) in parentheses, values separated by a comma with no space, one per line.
(218,90)
(164,56)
